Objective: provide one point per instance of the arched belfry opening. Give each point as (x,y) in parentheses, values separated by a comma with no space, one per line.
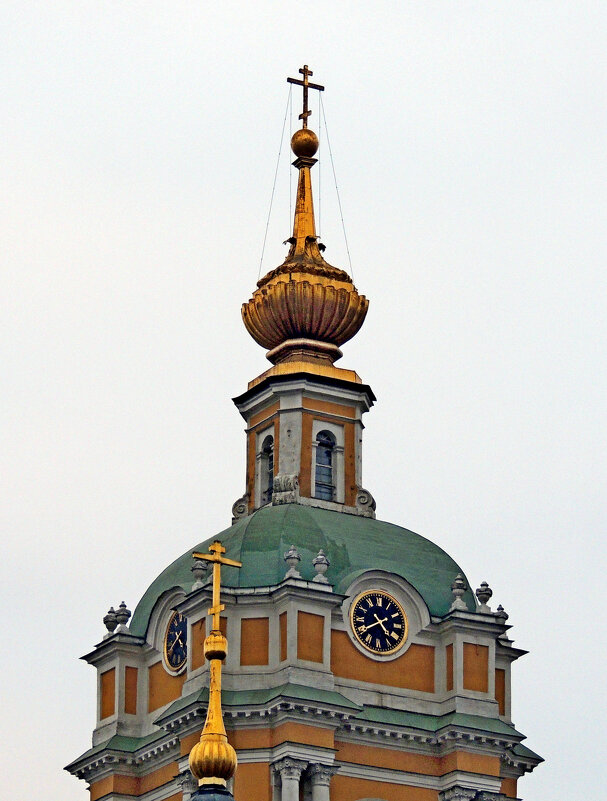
(324,484)
(267,469)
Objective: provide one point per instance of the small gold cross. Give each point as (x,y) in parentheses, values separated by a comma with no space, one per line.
(306,85)
(217,559)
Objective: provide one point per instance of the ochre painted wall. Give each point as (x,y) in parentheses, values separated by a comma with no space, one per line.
(471,763)
(252,782)
(268,738)
(162,687)
(329,408)
(134,785)
(414,670)
(264,414)
(387,758)
(254,640)
(198,633)
(500,690)
(509,787)
(345,788)
(108,693)
(417,763)
(282,622)
(126,785)
(449,662)
(305,472)
(310,635)
(130,690)
(476,667)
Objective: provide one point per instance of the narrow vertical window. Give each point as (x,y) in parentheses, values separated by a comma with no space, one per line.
(325,484)
(267,469)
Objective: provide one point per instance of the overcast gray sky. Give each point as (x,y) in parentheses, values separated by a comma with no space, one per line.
(139,142)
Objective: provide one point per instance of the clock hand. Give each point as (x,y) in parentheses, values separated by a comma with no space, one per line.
(363,629)
(381,623)
(175,641)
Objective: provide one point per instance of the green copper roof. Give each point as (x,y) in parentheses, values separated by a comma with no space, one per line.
(241,698)
(353,545)
(121,743)
(433,723)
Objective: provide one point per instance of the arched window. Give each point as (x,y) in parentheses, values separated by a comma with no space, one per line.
(324,479)
(267,469)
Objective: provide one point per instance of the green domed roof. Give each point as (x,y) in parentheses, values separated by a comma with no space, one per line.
(353,545)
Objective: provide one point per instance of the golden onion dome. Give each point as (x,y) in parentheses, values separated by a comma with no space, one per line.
(305,308)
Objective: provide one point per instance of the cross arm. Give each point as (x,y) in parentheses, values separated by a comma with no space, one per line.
(308,84)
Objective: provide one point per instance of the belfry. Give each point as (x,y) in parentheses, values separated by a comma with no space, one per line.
(360,663)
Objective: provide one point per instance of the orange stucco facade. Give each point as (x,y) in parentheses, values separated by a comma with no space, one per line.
(162,686)
(413,670)
(310,636)
(476,667)
(254,641)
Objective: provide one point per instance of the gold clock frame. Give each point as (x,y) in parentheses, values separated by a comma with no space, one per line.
(165,657)
(389,595)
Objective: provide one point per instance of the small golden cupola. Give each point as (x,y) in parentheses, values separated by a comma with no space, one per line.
(304,414)
(304,309)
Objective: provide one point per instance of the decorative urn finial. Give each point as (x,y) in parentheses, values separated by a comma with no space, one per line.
(305,308)
(458,588)
(292,558)
(484,593)
(321,565)
(110,621)
(122,616)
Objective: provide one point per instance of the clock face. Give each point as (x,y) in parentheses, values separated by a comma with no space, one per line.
(379,622)
(176,643)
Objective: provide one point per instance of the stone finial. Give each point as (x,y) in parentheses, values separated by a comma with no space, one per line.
(321,565)
(199,569)
(110,621)
(458,588)
(292,558)
(484,593)
(122,616)
(502,616)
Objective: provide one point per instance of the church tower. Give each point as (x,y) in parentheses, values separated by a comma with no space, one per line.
(361,665)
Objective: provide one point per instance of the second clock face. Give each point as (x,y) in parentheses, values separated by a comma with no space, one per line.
(176,643)
(379,622)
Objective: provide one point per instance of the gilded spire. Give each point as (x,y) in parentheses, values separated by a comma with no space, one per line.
(213,759)
(305,308)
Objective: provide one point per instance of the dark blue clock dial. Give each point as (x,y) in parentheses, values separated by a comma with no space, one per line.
(176,642)
(378,622)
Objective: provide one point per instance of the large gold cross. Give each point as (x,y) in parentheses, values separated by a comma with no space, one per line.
(306,85)
(218,560)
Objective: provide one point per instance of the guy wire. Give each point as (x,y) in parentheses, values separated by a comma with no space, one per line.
(282,135)
(319,170)
(322,105)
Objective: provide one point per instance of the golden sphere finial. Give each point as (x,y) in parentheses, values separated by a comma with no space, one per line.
(304,143)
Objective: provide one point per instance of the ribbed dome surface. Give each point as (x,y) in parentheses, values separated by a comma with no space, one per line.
(304,309)
(353,545)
